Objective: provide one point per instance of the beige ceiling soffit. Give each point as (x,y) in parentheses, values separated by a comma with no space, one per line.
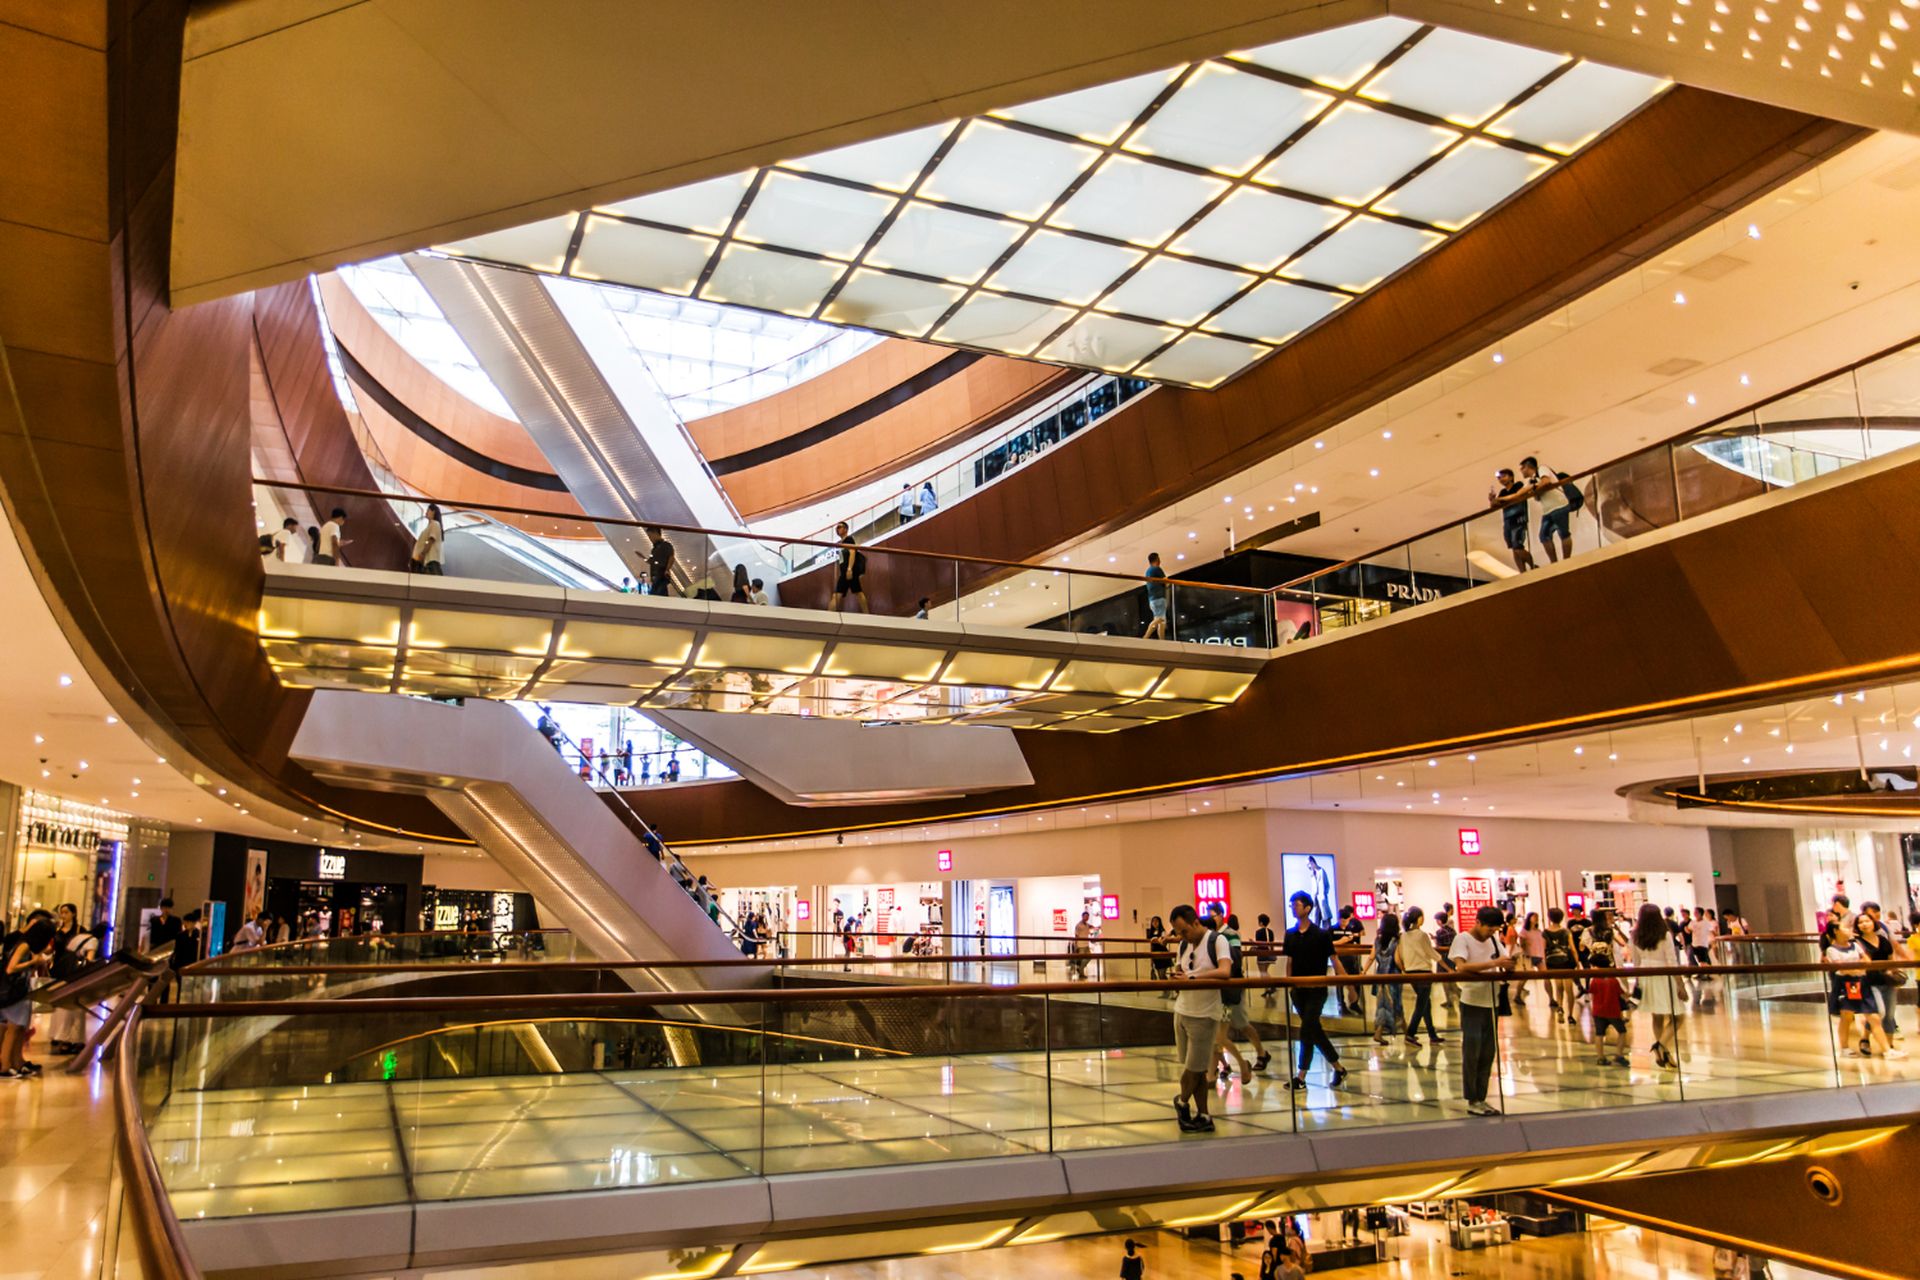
(221,24)
(448,119)
(1823,62)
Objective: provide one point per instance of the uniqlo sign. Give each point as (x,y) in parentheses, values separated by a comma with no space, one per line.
(944,860)
(1363,905)
(1109,906)
(1469,842)
(1209,889)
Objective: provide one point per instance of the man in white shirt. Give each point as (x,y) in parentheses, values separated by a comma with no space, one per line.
(760,592)
(1203,956)
(251,934)
(330,537)
(289,546)
(1476,950)
(907,508)
(1548,488)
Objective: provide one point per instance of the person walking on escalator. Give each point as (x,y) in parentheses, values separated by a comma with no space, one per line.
(659,562)
(1509,497)
(331,538)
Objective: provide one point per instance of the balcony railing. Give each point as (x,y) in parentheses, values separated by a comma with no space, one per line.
(609,1090)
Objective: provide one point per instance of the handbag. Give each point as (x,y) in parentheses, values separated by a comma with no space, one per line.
(1502,1006)
(1899,977)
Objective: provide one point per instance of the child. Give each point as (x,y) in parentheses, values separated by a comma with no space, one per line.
(1609,1013)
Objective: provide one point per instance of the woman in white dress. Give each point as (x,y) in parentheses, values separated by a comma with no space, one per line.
(1653,949)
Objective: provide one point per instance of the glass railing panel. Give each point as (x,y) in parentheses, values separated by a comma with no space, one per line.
(1889,393)
(853,1084)
(1438,566)
(1489,550)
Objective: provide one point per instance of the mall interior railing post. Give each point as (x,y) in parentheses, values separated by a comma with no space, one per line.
(765,1009)
(1046,1035)
(1516,1020)
(956,590)
(1673,479)
(1290,1057)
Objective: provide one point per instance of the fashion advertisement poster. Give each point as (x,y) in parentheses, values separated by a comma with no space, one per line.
(1314,875)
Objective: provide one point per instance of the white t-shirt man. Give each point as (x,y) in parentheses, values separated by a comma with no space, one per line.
(1550,499)
(249,935)
(1701,932)
(290,546)
(330,539)
(760,596)
(1200,1002)
(1470,950)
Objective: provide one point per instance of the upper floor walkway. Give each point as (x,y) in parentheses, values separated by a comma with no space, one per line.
(756,1131)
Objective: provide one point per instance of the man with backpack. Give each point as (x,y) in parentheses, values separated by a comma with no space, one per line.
(1559,498)
(1202,957)
(1234,1007)
(850,565)
(1309,951)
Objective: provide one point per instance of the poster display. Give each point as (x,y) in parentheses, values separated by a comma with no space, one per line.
(1313,874)
(253,899)
(1470,893)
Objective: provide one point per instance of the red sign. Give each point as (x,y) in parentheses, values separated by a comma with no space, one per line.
(884,896)
(1470,893)
(1577,903)
(1212,888)
(1363,905)
(1469,842)
(1059,919)
(1109,906)
(944,860)
(803,910)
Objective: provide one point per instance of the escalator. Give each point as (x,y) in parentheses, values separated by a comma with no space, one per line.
(503,784)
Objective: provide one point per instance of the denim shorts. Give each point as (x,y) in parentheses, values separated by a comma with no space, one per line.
(1556,522)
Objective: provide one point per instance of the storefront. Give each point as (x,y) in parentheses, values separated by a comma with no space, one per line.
(466,910)
(318,891)
(1623,892)
(889,913)
(772,903)
(66,852)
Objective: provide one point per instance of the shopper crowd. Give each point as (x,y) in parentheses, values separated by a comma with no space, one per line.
(1511,958)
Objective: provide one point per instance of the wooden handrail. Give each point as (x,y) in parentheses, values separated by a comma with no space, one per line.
(812,995)
(156,1229)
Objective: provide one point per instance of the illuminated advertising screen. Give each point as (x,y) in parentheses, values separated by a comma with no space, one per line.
(1315,875)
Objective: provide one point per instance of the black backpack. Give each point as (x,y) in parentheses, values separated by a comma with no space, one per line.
(1575,498)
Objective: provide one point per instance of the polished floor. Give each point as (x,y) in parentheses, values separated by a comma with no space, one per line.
(268,1150)
(1609,1252)
(56,1140)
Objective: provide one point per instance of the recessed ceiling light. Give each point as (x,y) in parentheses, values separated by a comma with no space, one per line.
(1374,472)
(65,681)
(1679,299)
(1386,435)
(83,764)
(37,739)
(1498,358)
(113,719)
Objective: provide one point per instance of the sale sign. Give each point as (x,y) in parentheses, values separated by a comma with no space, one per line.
(1059,919)
(1469,842)
(1470,893)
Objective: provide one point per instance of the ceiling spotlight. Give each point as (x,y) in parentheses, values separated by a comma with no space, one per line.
(223,791)
(1692,399)
(37,739)
(113,719)
(1498,358)
(1374,472)
(1745,381)
(65,681)
(1228,500)
(1679,299)
(83,764)
(1753,231)
(1319,444)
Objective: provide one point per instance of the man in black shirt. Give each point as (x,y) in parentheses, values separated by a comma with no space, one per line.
(1350,929)
(1309,952)
(163,928)
(659,563)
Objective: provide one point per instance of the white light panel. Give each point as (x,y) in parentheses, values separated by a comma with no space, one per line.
(1176,225)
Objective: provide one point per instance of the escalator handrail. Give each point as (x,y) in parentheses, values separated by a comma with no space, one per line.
(158,1240)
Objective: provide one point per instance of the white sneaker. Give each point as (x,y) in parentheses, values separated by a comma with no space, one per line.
(1895,1053)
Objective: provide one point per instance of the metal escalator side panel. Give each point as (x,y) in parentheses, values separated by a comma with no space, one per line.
(491,772)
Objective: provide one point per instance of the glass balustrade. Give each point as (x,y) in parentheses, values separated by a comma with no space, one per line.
(295,1106)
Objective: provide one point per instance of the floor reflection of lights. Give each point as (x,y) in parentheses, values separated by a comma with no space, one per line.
(276,1150)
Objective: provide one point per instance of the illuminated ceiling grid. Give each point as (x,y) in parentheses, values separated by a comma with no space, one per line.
(1176,226)
(403,637)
